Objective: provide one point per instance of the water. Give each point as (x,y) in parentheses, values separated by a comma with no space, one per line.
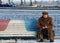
(17,15)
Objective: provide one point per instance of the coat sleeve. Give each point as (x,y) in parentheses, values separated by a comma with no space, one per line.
(51,23)
(39,24)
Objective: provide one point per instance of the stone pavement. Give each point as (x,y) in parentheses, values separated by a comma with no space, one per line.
(28,41)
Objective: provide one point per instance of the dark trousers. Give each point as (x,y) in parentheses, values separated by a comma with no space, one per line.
(50,34)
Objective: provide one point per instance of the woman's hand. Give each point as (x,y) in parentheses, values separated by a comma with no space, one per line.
(43,27)
(46,27)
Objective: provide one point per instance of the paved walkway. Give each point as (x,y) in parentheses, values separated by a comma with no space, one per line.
(28,41)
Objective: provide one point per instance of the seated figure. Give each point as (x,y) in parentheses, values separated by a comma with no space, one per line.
(45,22)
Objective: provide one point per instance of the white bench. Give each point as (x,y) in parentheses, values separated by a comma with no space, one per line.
(16,28)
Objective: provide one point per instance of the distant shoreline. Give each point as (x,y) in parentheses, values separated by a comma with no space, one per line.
(30,8)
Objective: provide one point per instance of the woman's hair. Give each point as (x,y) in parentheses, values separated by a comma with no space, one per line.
(45,13)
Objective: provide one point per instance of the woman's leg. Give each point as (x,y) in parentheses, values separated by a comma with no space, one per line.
(51,34)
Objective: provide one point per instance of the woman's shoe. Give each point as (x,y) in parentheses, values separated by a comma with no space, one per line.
(51,40)
(40,40)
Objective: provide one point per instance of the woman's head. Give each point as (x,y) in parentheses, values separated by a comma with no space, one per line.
(45,14)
